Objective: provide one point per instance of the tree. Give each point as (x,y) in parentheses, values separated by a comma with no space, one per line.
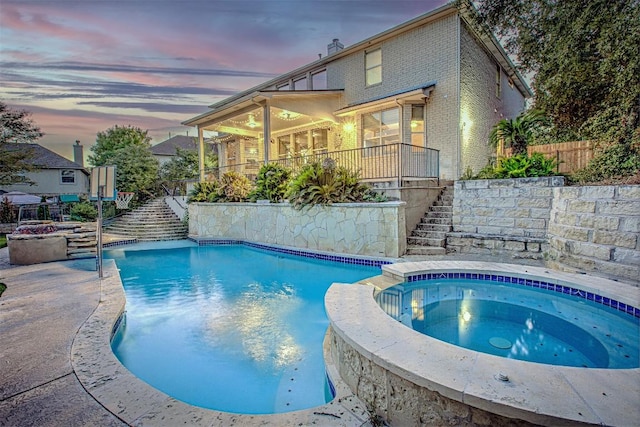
(185,165)
(584,58)
(16,127)
(516,133)
(129,149)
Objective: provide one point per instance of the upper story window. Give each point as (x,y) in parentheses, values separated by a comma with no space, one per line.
(319,80)
(381,128)
(373,67)
(68,176)
(498,81)
(300,84)
(285,86)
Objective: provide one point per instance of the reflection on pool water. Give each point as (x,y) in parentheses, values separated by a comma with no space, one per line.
(229,327)
(518,322)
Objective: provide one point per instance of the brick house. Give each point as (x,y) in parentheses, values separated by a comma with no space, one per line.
(415,102)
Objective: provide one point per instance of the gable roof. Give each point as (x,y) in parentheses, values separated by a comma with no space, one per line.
(168,147)
(44,158)
(465,11)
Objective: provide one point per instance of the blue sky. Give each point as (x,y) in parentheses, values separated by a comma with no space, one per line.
(82,67)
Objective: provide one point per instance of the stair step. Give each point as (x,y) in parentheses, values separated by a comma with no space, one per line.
(443,228)
(441,209)
(425,250)
(434,214)
(425,241)
(429,234)
(154,221)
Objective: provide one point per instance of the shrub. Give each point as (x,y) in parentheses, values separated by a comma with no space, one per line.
(231,187)
(7,212)
(234,187)
(519,166)
(326,183)
(204,192)
(271,183)
(615,162)
(83,211)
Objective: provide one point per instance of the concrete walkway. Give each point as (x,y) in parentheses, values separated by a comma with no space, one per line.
(40,312)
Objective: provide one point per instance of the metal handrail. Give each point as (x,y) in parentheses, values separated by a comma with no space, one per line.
(391,161)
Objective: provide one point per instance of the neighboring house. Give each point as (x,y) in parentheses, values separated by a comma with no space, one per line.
(55,175)
(167,150)
(414,102)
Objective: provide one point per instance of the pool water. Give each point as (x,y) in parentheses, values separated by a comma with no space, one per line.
(517,322)
(229,328)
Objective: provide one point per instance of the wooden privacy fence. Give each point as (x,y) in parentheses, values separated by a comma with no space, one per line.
(570,156)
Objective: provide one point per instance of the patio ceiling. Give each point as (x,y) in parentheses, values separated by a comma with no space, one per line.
(289,110)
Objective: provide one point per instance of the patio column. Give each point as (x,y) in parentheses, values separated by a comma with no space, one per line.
(266,130)
(201,153)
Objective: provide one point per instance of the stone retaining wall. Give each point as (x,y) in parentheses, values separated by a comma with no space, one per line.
(596,229)
(372,229)
(592,229)
(502,216)
(70,241)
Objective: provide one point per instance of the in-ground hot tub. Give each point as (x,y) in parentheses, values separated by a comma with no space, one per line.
(410,378)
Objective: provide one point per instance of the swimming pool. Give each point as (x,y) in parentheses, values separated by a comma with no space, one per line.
(517,321)
(230,327)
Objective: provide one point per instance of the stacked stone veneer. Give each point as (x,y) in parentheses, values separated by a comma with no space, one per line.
(372,229)
(597,230)
(593,229)
(402,402)
(70,241)
(502,215)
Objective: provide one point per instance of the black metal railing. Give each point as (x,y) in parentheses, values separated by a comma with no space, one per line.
(383,162)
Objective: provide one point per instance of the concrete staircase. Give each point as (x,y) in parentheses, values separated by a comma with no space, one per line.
(430,235)
(153,221)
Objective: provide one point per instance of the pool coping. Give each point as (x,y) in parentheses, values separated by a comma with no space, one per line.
(536,393)
(137,403)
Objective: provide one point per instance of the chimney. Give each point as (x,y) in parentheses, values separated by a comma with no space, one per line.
(334,47)
(78,155)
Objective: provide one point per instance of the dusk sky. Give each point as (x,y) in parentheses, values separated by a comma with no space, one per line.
(83,66)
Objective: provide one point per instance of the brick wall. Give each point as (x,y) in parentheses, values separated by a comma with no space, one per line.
(596,230)
(480,108)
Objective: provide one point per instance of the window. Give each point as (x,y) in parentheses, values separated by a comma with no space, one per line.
(285,86)
(319,140)
(301,143)
(300,84)
(284,143)
(319,80)
(373,67)
(498,81)
(417,125)
(381,128)
(68,176)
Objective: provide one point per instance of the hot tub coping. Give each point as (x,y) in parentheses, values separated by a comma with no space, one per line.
(538,393)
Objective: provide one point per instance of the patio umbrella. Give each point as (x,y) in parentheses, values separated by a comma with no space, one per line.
(19,198)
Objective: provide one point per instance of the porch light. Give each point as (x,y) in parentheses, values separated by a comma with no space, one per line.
(349,127)
(252,121)
(288,115)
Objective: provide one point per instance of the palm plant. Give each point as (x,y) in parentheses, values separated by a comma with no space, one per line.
(516,133)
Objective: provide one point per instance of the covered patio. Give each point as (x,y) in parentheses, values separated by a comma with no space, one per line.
(297,127)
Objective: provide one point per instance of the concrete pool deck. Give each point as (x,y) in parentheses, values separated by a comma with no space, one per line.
(58,368)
